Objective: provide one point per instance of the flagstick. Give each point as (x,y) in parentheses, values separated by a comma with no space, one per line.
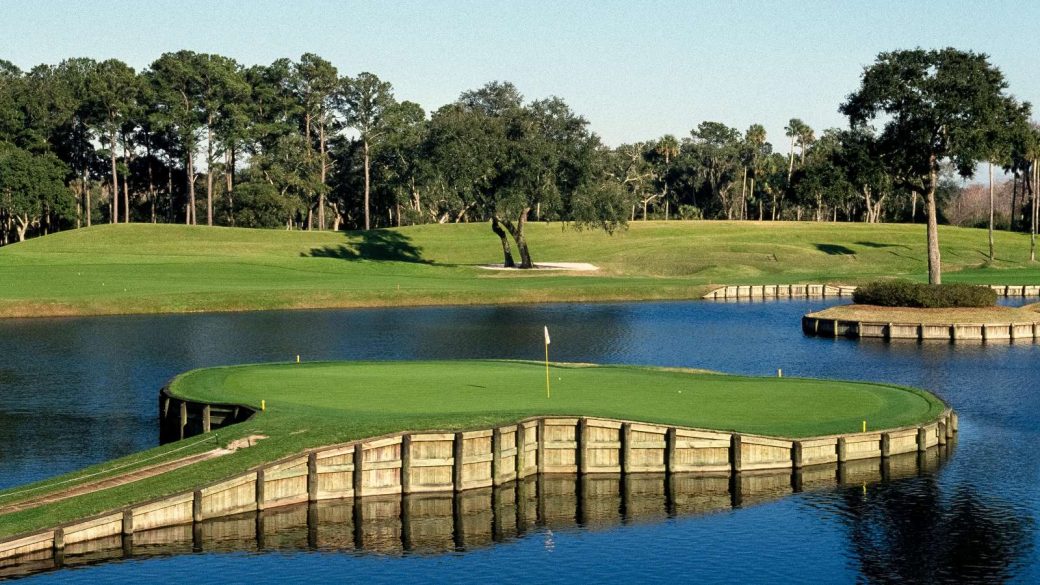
(548,394)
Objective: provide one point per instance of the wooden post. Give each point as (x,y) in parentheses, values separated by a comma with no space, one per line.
(206,418)
(260,489)
(406,464)
(496,456)
(183,418)
(734,452)
(128,522)
(922,439)
(521,451)
(456,468)
(541,445)
(842,450)
(942,433)
(59,538)
(359,466)
(580,456)
(954,422)
(886,445)
(670,462)
(312,477)
(196,506)
(796,454)
(626,447)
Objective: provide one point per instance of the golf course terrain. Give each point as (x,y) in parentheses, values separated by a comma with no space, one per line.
(944,316)
(325,403)
(141,268)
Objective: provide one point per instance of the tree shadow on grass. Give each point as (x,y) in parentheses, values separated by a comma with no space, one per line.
(383,245)
(880,245)
(835,249)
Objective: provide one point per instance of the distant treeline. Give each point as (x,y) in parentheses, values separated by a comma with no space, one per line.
(200,138)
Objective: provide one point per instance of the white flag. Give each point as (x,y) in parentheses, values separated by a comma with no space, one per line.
(547,335)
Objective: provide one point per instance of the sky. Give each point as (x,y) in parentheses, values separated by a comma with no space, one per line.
(636,70)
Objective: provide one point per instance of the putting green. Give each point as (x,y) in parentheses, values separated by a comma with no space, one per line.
(381,397)
(314,404)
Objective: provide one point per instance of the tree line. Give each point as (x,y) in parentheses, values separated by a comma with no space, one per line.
(297,144)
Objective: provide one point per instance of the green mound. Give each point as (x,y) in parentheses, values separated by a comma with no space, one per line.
(142,268)
(373,398)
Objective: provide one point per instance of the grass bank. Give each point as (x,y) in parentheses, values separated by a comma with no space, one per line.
(113,269)
(315,404)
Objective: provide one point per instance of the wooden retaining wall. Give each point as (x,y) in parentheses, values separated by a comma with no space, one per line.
(921,331)
(445,522)
(377,472)
(801,291)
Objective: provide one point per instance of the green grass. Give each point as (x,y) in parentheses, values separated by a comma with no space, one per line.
(170,268)
(314,404)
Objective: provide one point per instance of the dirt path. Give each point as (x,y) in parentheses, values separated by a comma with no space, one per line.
(110,482)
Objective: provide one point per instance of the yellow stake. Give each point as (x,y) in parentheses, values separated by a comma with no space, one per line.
(864,426)
(297,358)
(263,405)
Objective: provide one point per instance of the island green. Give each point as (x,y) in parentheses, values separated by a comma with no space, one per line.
(324,403)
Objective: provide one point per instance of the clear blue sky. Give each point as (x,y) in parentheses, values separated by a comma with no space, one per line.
(636,69)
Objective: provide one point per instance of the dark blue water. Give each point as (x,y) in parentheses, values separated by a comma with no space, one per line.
(79,391)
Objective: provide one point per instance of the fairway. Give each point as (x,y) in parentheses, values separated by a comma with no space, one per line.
(326,403)
(139,268)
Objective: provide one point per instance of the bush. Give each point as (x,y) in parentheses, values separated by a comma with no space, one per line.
(902,293)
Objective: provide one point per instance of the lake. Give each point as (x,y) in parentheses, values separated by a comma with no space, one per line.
(79,391)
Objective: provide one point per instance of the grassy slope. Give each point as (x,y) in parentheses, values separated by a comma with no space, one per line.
(317,404)
(169,268)
(870,313)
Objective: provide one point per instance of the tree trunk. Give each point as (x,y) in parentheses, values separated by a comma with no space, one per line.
(21,226)
(151,178)
(368,222)
(209,170)
(115,177)
(229,177)
(991,203)
(934,262)
(913,207)
(324,171)
(743,195)
(790,165)
(519,236)
(1014,194)
(89,203)
(1036,210)
(190,217)
(507,253)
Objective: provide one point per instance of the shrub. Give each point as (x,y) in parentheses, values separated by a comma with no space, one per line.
(902,293)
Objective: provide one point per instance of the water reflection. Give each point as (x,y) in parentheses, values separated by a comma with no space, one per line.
(915,532)
(438,523)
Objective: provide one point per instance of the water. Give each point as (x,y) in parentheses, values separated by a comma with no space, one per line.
(79,391)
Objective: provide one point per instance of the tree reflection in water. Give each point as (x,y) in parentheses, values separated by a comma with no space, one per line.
(918,530)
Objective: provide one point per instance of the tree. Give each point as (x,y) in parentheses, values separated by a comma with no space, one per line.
(317,85)
(364,103)
(175,80)
(113,91)
(717,150)
(31,188)
(935,105)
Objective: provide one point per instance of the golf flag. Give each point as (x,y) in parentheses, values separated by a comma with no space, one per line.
(548,393)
